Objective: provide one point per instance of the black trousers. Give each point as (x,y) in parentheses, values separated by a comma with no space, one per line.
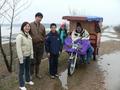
(38,54)
(53,64)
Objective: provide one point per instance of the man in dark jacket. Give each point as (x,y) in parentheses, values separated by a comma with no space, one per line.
(53,47)
(38,36)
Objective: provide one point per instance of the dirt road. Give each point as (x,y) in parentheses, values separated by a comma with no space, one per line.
(86,77)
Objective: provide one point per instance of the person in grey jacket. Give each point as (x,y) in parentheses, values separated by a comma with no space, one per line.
(24,49)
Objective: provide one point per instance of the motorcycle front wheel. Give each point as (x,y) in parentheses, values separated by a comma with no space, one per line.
(71,65)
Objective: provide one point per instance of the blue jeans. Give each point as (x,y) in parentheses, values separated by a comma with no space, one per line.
(24,71)
(89,54)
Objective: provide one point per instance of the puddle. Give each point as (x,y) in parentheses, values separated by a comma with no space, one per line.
(110,64)
(63,78)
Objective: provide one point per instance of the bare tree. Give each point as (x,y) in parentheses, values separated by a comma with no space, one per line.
(2,4)
(76,12)
(15,7)
(72,12)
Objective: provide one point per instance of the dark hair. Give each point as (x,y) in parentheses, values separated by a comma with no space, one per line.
(39,14)
(79,25)
(79,30)
(53,24)
(22,27)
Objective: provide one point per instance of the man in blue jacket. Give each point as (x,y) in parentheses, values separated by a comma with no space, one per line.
(53,47)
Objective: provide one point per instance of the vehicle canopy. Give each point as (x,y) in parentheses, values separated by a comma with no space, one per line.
(87,22)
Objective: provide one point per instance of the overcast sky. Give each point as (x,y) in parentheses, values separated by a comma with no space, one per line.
(53,10)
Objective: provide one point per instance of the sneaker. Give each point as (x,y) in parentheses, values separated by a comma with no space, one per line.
(56,75)
(52,77)
(22,88)
(30,83)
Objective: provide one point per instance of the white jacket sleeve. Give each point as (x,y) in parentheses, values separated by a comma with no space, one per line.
(31,56)
(19,48)
(85,35)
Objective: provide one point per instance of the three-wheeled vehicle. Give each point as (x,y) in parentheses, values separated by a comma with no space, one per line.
(93,25)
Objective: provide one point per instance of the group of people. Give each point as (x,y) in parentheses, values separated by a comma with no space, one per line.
(31,43)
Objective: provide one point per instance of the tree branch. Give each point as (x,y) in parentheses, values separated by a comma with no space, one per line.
(18,12)
(5,17)
(3,4)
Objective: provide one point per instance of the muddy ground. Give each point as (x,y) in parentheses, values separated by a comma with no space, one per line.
(86,77)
